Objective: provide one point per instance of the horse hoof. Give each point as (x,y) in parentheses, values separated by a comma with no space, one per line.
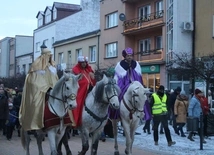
(126,152)
(116,153)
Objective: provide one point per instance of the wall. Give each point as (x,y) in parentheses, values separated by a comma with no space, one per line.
(182,12)
(204,39)
(24,45)
(81,22)
(42,34)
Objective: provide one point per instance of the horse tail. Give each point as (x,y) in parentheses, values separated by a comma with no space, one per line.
(23,138)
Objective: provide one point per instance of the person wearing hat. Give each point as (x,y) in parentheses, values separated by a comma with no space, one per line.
(126,71)
(172,99)
(159,112)
(181,111)
(85,85)
(41,77)
(195,109)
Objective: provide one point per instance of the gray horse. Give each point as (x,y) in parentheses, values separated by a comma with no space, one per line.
(62,97)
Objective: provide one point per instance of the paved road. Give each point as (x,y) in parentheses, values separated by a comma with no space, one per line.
(14,147)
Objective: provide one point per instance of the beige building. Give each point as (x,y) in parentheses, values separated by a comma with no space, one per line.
(141,26)
(204,28)
(67,51)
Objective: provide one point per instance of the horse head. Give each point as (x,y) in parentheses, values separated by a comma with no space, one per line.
(136,96)
(70,88)
(107,91)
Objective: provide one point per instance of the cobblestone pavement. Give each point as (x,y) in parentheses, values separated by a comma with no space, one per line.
(14,147)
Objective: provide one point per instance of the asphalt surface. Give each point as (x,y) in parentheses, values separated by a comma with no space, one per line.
(14,147)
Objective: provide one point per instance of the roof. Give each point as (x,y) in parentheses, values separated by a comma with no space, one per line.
(48,7)
(75,37)
(40,12)
(66,6)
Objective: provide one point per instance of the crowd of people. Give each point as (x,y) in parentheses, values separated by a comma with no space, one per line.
(10,100)
(161,107)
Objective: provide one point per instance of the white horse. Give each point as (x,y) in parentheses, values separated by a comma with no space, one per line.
(95,112)
(131,110)
(61,98)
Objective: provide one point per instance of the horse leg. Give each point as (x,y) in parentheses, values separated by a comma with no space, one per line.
(39,139)
(64,140)
(85,143)
(126,128)
(95,142)
(52,141)
(115,130)
(132,133)
(27,140)
(59,147)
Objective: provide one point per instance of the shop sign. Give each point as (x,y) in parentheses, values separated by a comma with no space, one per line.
(150,69)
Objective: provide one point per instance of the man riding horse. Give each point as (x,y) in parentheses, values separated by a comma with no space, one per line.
(41,77)
(126,71)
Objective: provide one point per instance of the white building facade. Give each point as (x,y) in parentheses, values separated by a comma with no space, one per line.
(179,29)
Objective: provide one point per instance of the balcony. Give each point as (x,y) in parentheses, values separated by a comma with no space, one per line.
(130,1)
(143,23)
(150,55)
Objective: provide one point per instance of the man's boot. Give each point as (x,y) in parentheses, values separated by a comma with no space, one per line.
(190,137)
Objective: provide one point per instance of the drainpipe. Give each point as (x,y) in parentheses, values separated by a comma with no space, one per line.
(98,53)
(193,38)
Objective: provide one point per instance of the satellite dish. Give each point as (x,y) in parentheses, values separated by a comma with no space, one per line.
(122,17)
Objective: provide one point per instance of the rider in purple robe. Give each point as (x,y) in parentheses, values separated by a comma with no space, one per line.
(126,71)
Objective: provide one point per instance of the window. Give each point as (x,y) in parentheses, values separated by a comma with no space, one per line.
(159,9)
(111,50)
(159,42)
(37,46)
(145,45)
(60,59)
(47,18)
(78,52)
(213,26)
(52,41)
(69,57)
(24,69)
(40,22)
(46,42)
(144,11)
(93,54)
(54,14)
(111,20)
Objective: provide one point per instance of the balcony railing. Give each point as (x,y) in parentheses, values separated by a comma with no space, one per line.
(151,55)
(144,21)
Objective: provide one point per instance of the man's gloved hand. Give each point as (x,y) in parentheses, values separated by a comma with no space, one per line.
(41,72)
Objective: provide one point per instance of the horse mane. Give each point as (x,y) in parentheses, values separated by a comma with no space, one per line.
(57,85)
(100,89)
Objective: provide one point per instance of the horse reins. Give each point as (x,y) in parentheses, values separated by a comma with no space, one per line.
(64,100)
(131,111)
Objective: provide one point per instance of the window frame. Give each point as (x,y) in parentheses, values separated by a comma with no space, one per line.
(114,53)
(111,20)
(92,53)
(144,42)
(156,42)
(37,47)
(60,57)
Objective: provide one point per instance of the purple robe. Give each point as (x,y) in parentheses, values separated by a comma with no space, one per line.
(147,111)
(125,74)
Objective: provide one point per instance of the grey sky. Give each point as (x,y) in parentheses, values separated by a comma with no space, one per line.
(18,17)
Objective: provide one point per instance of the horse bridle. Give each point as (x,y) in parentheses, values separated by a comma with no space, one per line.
(64,99)
(114,92)
(134,108)
(97,118)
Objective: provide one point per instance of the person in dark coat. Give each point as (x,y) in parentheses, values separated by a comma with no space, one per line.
(172,99)
(16,103)
(148,114)
(10,123)
(4,110)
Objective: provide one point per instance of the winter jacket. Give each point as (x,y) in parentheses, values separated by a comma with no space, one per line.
(4,109)
(194,109)
(181,109)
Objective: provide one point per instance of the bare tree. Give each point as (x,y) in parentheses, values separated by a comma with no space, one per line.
(183,64)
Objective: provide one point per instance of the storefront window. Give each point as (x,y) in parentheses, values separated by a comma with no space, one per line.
(151,81)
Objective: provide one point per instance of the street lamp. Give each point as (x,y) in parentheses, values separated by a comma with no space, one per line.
(43,46)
